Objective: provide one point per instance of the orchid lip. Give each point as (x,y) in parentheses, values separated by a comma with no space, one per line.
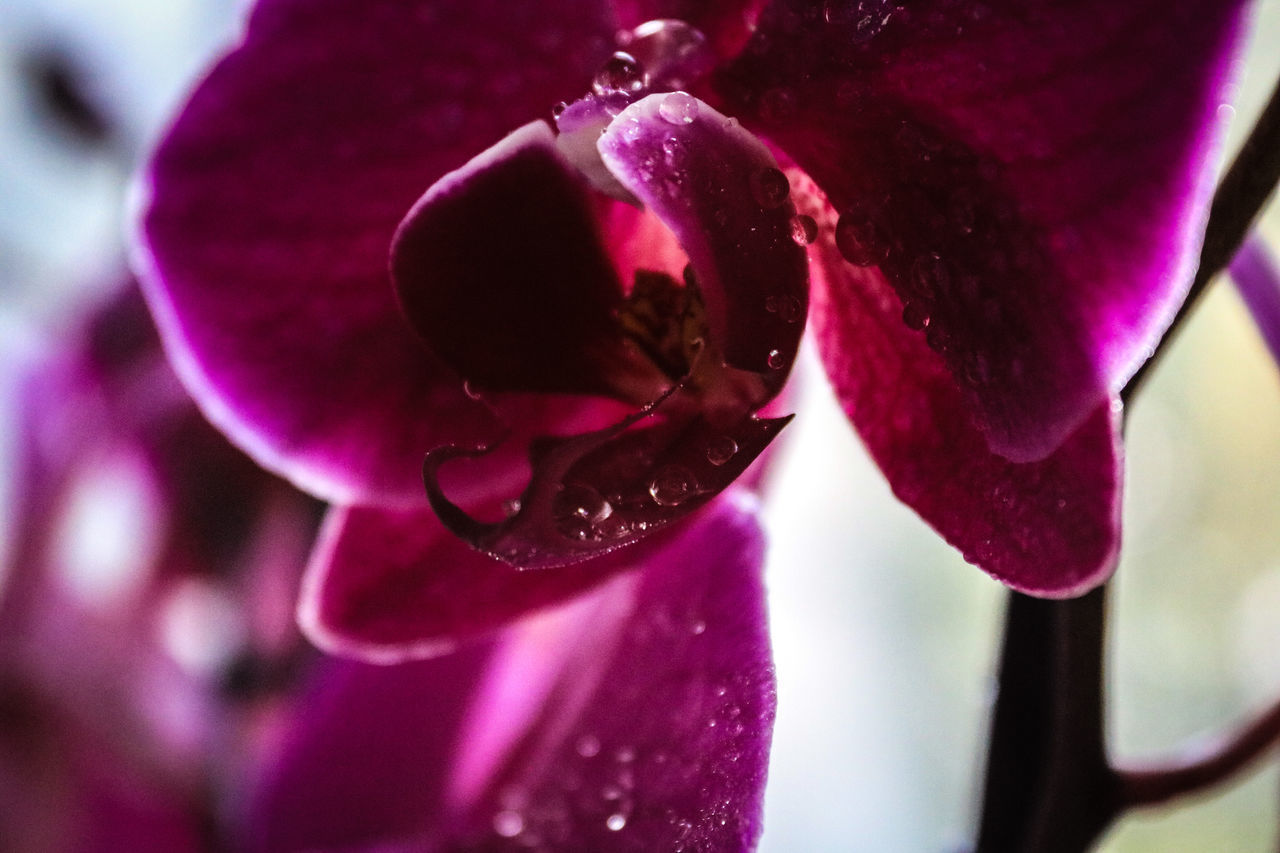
(723,340)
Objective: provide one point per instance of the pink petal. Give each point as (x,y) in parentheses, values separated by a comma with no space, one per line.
(1031,178)
(638,718)
(270,205)
(388,586)
(720,193)
(499,268)
(1049,528)
(363,757)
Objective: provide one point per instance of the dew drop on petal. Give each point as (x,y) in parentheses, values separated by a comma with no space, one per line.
(673,486)
(676,53)
(678,108)
(915,315)
(673,151)
(620,73)
(588,746)
(721,449)
(581,501)
(930,273)
(770,187)
(508,824)
(790,309)
(860,240)
(615,822)
(804,230)
(775,359)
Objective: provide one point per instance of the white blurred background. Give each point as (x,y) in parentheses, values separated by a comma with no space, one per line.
(885,638)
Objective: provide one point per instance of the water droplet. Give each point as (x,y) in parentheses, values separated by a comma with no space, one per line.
(865,19)
(673,486)
(673,51)
(620,73)
(581,501)
(615,821)
(508,824)
(631,130)
(803,229)
(698,626)
(770,187)
(930,273)
(771,304)
(469,390)
(775,359)
(511,507)
(790,309)
(678,108)
(673,151)
(588,746)
(860,240)
(721,449)
(558,109)
(915,315)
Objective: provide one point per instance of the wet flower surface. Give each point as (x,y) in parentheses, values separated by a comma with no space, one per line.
(158,696)
(1000,237)
(368,242)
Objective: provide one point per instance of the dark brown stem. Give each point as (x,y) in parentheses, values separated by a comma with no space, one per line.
(1155,785)
(1049,788)
(1239,199)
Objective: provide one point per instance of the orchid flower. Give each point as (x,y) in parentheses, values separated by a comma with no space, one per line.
(1004,201)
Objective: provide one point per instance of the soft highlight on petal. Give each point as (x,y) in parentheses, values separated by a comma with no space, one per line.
(270,205)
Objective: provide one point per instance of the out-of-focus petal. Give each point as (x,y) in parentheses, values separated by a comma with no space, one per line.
(1050,527)
(500,269)
(1031,178)
(1254,271)
(362,759)
(271,203)
(637,718)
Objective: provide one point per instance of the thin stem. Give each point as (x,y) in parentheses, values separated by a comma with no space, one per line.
(1049,788)
(1153,786)
(1239,199)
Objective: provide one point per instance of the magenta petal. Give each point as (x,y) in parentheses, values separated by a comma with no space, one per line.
(1032,178)
(388,586)
(361,762)
(638,718)
(721,193)
(1048,528)
(500,269)
(271,204)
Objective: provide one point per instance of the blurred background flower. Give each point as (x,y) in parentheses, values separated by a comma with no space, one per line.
(884,638)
